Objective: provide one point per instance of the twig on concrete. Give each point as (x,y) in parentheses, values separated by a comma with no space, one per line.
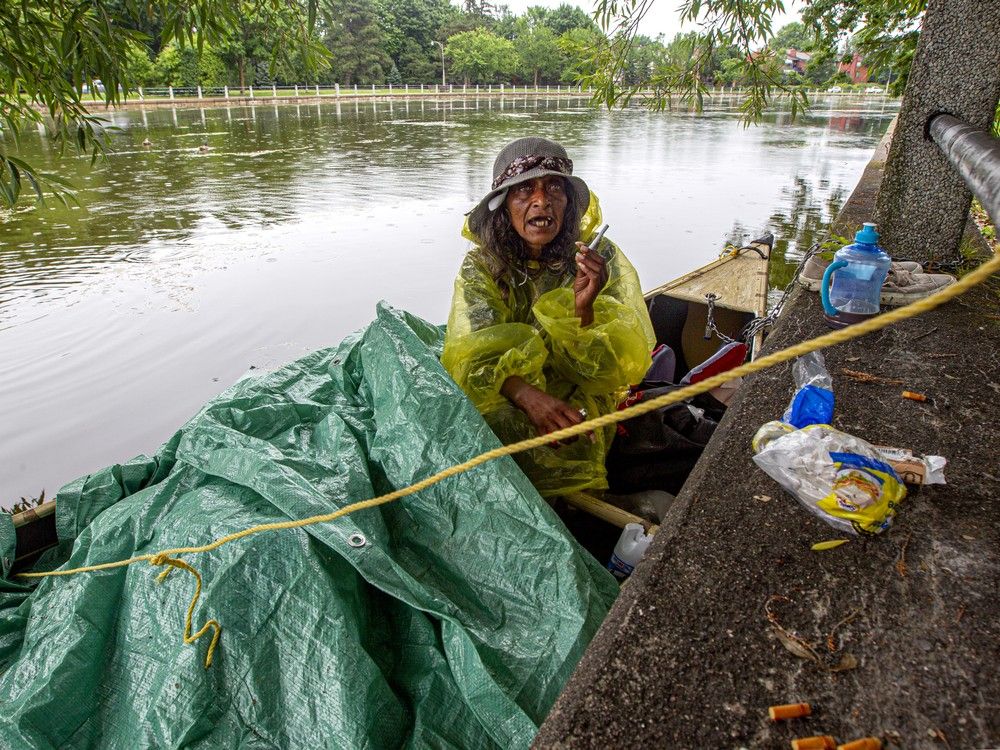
(924,334)
(803,649)
(829,639)
(867,377)
(901,559)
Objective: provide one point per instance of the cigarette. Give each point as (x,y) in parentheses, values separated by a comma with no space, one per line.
(914,396)
(865,743)
(819,742)
(789,711)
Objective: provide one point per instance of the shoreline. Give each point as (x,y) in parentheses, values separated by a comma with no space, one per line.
(244,101)
(377,96)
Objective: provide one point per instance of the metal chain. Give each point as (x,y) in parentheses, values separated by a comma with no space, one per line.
(757,325)
(710,326)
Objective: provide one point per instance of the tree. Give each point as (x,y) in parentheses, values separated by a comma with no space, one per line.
(539,52)
(567,17)
(356,44)
(507,25)
(644,59)
(417,64)
(480,56)
(139,65)
(823,64)
(410,24)
(251,45)
(581,49)
(52,50)
(887,36)
(731,72)
(793,36)
(886,31)
(188,67)
(393,78)
(539,36)
(462,22)
(481,9)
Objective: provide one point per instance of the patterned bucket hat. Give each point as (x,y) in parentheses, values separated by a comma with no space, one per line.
(523,160)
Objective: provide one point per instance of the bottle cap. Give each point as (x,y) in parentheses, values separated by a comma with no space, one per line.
(868,235)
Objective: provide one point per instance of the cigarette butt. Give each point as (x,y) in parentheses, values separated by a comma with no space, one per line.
(865,743)
(789,711)
(913,396)
(819,742)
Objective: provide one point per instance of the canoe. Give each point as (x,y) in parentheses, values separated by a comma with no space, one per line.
(733,288)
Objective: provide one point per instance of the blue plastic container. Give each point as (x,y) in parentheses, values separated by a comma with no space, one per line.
(852,284)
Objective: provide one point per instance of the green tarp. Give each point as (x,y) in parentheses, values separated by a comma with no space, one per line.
(455,625)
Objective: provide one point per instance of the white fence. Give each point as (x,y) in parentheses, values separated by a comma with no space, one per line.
(336,90)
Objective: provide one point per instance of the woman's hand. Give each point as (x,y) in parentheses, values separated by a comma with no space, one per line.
(547,413)
(591,276)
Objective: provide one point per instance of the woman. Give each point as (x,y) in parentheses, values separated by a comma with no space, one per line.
(545,331)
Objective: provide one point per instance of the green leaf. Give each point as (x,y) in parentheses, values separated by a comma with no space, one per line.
(831,544)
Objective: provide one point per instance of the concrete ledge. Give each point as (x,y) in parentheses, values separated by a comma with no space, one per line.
(688,658)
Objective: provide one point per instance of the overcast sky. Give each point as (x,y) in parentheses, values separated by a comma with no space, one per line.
(661,19)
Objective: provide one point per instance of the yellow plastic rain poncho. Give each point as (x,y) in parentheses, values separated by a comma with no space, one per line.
(532,331)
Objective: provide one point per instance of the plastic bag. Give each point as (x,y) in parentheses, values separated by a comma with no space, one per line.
(838,477)
(813,400)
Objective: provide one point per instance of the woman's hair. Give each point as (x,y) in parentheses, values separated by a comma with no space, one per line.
(505,251)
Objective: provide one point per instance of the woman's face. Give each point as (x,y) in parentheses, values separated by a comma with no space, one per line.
(536,209)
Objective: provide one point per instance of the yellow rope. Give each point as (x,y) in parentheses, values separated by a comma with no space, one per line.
(168,557)
(171,563)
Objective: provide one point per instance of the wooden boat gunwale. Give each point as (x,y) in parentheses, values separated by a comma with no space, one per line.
(702,271)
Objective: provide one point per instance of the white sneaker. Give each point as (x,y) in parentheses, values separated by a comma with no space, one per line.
(811,276)
(903,287)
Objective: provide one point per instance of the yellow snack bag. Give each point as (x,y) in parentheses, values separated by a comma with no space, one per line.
(839,477)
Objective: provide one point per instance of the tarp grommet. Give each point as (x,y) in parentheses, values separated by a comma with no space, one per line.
(357,540)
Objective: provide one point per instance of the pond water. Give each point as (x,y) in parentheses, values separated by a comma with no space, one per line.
(186,267)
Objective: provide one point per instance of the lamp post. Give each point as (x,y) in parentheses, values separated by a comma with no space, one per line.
(439,44)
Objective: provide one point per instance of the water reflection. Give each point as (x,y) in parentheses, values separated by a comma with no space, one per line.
(188,264)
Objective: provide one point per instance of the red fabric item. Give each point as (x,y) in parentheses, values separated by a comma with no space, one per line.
(729,356)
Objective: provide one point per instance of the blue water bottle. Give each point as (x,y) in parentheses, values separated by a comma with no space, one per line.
(857,274)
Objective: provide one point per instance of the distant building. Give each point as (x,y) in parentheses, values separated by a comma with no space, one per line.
(857,72)
(796,60)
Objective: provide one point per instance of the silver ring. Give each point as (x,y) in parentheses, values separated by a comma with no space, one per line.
(583,413)
(357,540)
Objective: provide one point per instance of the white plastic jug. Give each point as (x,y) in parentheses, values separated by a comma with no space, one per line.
(632,545)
